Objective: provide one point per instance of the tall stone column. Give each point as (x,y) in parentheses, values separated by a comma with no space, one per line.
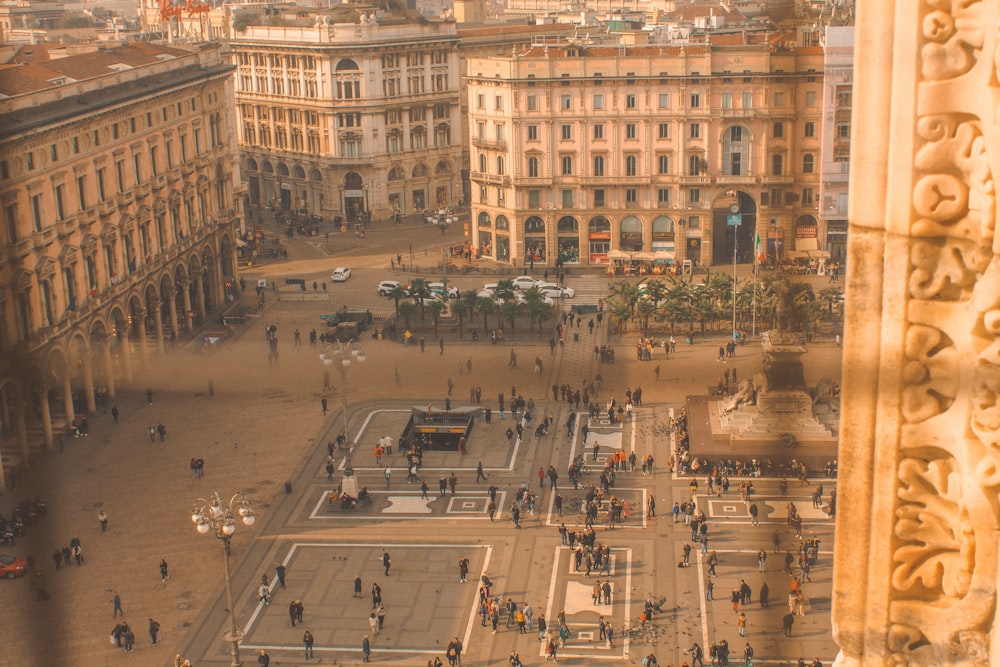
(187,306)
(125,349)
(918,520)
(109,369)
(143,343)
(45,414)
(21,428)
(68,399)
(172,314)
(199,292)
(88,380)
(158,325)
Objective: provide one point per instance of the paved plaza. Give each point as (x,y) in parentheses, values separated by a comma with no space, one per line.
(263,427)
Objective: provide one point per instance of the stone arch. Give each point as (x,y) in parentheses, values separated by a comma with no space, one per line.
(252,164)
(442,167)
(484,219)
(420,170)
(299,172)
(316,176)
(267,167)
(282,169)
(353,181)
(396,174)
(346,64)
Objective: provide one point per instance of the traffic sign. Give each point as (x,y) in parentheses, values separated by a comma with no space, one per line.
(734,220)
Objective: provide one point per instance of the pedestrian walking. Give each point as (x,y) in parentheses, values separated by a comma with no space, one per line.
(307,641)
(280,571)
(387,473)
(154,631)
(323,403)
(366,646)
(357,587)
(480,475)
(102,517)
(386,562)
(117,602)
(164,575)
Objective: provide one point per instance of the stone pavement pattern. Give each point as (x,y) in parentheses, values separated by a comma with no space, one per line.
(264,426)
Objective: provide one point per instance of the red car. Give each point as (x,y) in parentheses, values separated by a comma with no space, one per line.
(12,566)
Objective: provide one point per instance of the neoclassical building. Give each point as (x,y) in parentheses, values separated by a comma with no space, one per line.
(338,119)
(583,151)
(118,182)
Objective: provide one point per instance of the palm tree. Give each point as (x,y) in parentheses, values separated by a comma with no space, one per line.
(656,290)
(534,304)
(831,296)
(628,294)
(505,291)
(619,312)
(436,307)
(460,309)
(646,309)
(397,294)
(420,291)
(486,307)
(510,310)
(406,311)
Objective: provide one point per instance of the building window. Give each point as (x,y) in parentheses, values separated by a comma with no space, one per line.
(695,100)
(498,103)
(480,101)
(694,165)
(747,100)
(567,199)
(500,165)
(779,99)
(598,165)
(598,101)
(843,130)
(599,198)
(630,131)
(694,221)
(567,165)
(534,198)
(120,175)
(663,130)
(532,133)
(694,196)
(664,100)
(735,144)
(81,191)
(566,102)
(663,164)
(695,130)
(631,196)
(532,103)
(599,132)
(36,212)
(808,196)
(777,164)
(10,221)
(631,165)
(663,197)
(101,196)
(810,129)
(808,163)
(498,130)
(58,196)
(778,130)
(631,101)
(727,100)
(810,98)
(29,160)
(532,167)
(566,132)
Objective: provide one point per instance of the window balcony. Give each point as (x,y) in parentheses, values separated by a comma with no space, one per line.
(730,179)
(143,189)
(159,182)
(703,179)
(493,144)
(738,113)
(777,179)
(490,179)
(106,208)
(125,198)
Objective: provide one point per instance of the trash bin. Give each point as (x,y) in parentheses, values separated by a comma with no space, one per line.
(576,336)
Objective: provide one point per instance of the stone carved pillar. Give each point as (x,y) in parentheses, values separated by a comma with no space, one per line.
(918,521)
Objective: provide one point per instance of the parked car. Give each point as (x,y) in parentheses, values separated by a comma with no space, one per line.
(12,566)
(524,282)
(439,289)
(488,290)
(387,286)
(340,274)
(556,291)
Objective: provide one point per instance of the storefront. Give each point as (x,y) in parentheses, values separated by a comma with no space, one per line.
(806,234)
(534,241)
(664,244)
(836,239)
(568,240)
(598,240)
(630,236)
(484,234)
(503,239)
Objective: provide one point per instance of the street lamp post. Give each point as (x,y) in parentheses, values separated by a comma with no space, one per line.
(734,220)
(216,516)
(345,353)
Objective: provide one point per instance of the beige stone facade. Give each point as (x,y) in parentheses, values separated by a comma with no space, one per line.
(915,577)
(119,197)
(339,119)
(580,153)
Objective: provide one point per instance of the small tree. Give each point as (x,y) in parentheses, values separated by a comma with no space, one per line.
(397,294)
(460,309)
(510,310)
(406,311)
(436,307)
(421,292)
